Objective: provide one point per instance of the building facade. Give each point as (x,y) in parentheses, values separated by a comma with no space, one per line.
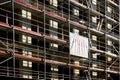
(60,39)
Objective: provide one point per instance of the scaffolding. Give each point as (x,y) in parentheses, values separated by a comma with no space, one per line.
(35,39)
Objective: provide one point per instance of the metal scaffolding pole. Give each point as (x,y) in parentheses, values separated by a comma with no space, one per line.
(112,28)
(119,42)
(113,63)
(5,2)
(3,43)
(13,53)
(115,49)
(6,60)
(69,39)
(44,42)
(105,42)
(88,71)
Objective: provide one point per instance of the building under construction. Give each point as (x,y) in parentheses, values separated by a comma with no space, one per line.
(59,39)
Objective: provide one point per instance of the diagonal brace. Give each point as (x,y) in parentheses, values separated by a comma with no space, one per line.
(5,2)
(113,63)
(112,29)
(115,49)
(116,59)
(6,60)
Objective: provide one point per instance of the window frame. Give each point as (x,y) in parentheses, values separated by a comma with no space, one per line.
(26,14)
(54,3)
(76,11)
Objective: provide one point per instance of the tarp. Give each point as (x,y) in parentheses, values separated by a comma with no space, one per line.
(79,45)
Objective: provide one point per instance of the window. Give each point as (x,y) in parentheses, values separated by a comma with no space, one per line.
(76,12)
(94,65)
(30,64)
(109,43)
(94,2)
(109,59)
(54,3)
(109,26)
(27,76)
(109,46)
(94,56)
(26,14)
(26,39)
(76,71)
(94,41)
(76,31)
(82,21)
(27,53)
(30,76)
(109,9)
(53,24)
(94,19)
(26,26)
(24,52)
(54,28)
(54,45)
(94,37)
(94,73)
(109,49)
(54,69)
(29,39)
(27,63)
(76,63)
(29,15)
(108,75)
(53,79)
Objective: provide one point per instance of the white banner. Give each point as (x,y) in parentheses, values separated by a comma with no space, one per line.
(78,45)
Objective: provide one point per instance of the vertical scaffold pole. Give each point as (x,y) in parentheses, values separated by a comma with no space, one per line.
(69,38)
(13,51)
(44,43)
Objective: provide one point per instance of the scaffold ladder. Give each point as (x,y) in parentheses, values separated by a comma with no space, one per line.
(87,73)
(100,23)
(8,50)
